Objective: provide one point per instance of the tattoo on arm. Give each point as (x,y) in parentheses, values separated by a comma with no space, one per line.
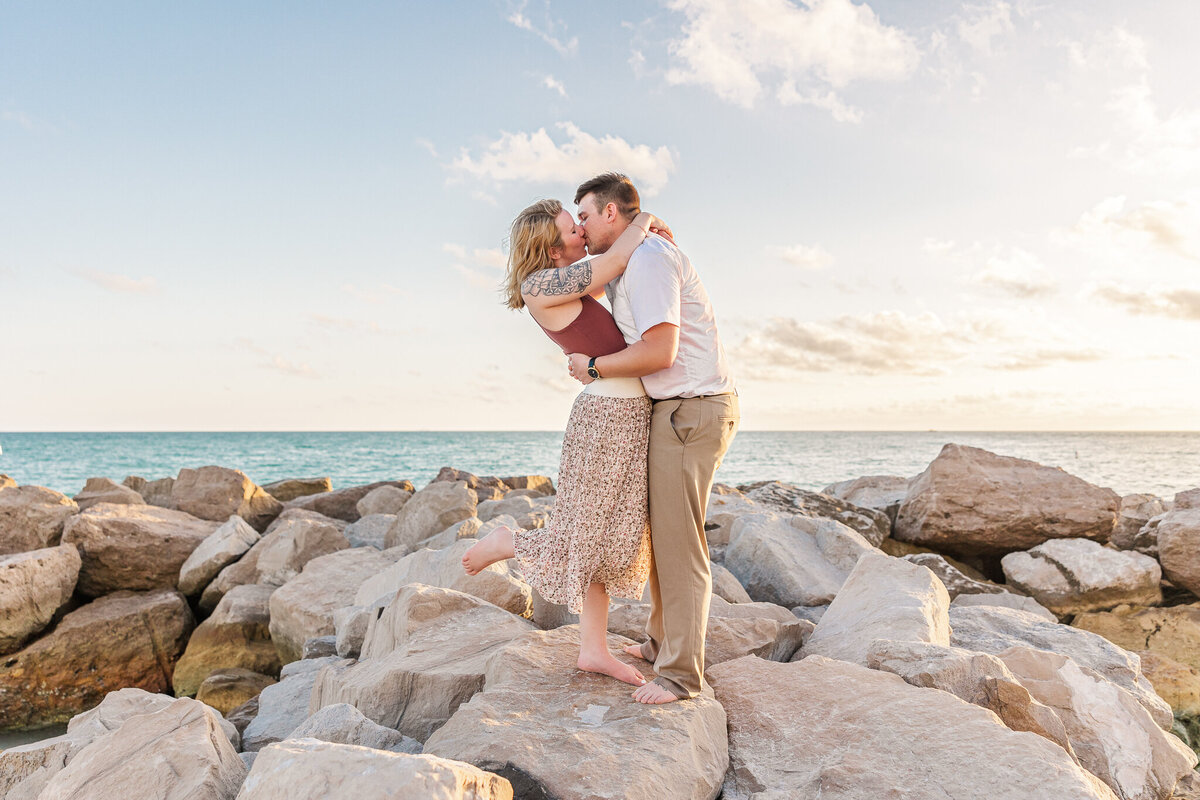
(567,280)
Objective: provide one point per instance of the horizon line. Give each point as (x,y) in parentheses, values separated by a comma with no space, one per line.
(558,431)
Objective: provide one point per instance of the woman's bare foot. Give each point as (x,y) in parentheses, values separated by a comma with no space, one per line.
(496,546)
(654,695)
(634,650)
(606,664)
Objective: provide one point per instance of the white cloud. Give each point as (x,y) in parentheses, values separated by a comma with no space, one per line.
(537,158)
(1021,274)
(300,370)
(804,256)
(552,83)
(118,283)
(548,31)
(937,247)
(1168,226)
(983,23)
(1158,301)
(809,52)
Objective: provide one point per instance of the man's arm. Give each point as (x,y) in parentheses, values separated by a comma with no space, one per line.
(655,351)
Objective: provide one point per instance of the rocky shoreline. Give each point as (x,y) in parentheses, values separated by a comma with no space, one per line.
(990,627)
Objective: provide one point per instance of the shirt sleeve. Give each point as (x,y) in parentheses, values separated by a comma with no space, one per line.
(655,290)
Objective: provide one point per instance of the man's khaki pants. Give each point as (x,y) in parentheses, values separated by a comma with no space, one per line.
(688,439)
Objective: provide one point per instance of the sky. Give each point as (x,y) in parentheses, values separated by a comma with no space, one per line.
(292,215)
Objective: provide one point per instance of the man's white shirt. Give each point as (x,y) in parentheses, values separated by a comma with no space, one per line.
(660,285)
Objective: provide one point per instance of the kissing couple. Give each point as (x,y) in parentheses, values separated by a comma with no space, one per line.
(657,413)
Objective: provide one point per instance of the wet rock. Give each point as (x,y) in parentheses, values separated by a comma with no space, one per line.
(227,690)
(431,510)
(382,500)
(874,526)
(1069,576)
(217,493)
(221,548)
(33,587)
(104,490)
(291,488)
(32,517)
(343,503)
(236,635)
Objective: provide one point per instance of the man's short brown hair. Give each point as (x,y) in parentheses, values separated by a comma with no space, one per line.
(615,188)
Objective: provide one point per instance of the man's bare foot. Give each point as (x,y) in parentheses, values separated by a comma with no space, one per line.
(607,664)
(654,695)
(635,650)
(496,546)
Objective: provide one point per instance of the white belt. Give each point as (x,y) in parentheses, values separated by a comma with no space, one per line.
(616,387)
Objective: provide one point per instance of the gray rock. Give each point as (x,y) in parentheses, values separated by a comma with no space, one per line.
(320,647)
(1006,600)
(345,724)
(435,508)
(383,500)
(955,581)
(370,530)
(223,546)
(285,705)
(882,493)
(874,526)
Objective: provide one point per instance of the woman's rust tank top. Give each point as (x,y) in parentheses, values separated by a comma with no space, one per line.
(592,333)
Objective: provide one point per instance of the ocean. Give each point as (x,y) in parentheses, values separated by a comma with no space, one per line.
(1158,463)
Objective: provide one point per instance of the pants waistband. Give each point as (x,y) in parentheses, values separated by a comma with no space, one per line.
(697,397)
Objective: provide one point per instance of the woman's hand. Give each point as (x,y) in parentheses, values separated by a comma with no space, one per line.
(661,228)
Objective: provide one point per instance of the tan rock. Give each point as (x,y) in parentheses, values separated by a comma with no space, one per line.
(217,493)
(343,503)
(1006,600)
(228,689)
(1069,576)
(125,639)
(724,509)
(1136,510)
(882,493)
(954,579)
(828,729)
(221,548)
(1173,632)
(155,493)
(303,607)
(105,490)
(291,514)
(421,658)
(6,482)
(283,706)
(498,584)
(469,528)
(559,732)
(345,724)
(431,510)
(191,758)
(726,585)
(874,526)
(538,483)
(307,769)
(133,547)
(1179,547)
(292,545)
(1111,732)
(884,598)
(370,530)
(1175,682)
(33,587)
(970,501)
(992,629)
(382,500)
(1186,500)
(291,488)
(32,517)
(236,635)
(793,561)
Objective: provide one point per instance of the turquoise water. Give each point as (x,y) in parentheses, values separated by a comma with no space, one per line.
(1161,463)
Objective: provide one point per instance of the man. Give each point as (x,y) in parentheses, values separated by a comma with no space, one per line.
(664,313)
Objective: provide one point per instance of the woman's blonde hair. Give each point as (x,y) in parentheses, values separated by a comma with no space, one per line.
(534,232)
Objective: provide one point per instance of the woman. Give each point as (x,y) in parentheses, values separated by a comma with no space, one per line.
(597,542)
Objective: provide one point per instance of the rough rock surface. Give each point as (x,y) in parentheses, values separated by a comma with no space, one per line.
(884,598)
(223,546)
(303,607)
(1136,510)
(343,503)
(537,483)
(785,498)
(236,635)
(955,580)
(345,724)
(133,547)
(793,561)
(726,585)
(993,629)
(228,689)
(1173,632)
(1179,547)
(555,731)
(291,488)
(969,501)
(1006,600)
(293,544)
(878,492)
(32,517)
(105,490)
(308,769)
(155,493)
(283,706)
(125,639)
(217,493)
(421,658)
(431,510)
(1068,576)
(382,500)
(827,729)
(33,587)
(370,530)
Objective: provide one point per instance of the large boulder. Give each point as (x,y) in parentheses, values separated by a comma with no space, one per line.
(308,769)
(422,656)
(787,499)
(382,500)
(725,507)
(133,547)
(1179,685)
(32,517)
(291,488)
(106,490)
(370,531)
(555,731)
(33,587)
(972,502)
(1069,576)
(1006,600)
(828,729)
(498,584)
(882,493)
(993,629)
(343,503)
(1136,510)
(155,493)
(229,689)
(221,548)
(540,484)
(345,724)
(884,598)
(125,639)
(1173,632)
(1179,547)
(793,560)
(217,493)
(236,635)
(726,585)
(292,545)
(431,510)
(283,706)
(303,607)
(180,750)
(1111,732)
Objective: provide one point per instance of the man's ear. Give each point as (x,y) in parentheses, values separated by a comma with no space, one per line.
(610,211)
